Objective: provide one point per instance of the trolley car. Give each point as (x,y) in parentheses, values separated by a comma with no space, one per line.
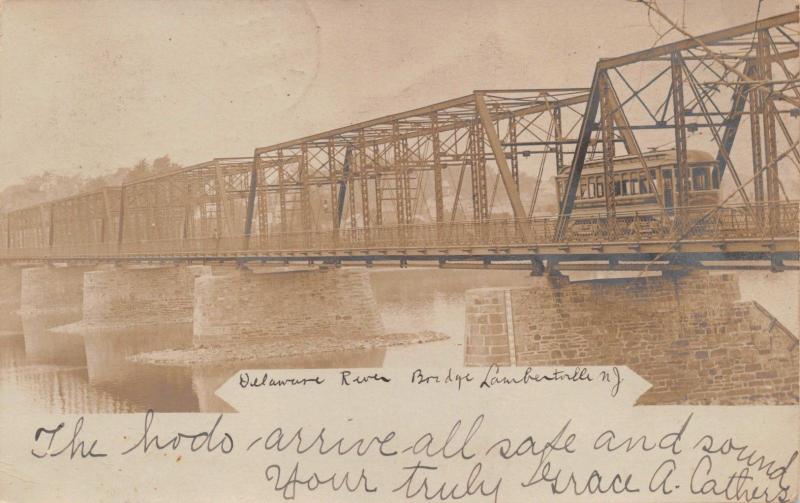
(633,193)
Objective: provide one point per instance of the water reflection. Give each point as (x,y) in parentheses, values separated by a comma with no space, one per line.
(10,320)
(164,389)
(30,387)
(45,346)
(49,370)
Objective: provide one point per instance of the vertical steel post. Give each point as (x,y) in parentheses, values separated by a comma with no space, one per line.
(607,131)
(378,187)
(51,230)
(477,160)
(682,177)
(351,197)
(770,139)
(263,213)
(557,136)
(305,199)
(437,168)
(363,177)
(399,172)
(251,201)
(333,186)
(754,97)
(512,139)
(219,199)
(107,217)
(188,208)
(121,224)
(282,191)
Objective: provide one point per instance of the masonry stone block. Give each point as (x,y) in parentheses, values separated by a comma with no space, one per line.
(10,290)
(47,290)
(688,335)
(251,307)
(140,295)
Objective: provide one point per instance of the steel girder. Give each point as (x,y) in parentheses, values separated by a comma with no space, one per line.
(701,84)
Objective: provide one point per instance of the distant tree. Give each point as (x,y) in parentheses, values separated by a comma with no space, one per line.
(47,186)
(139,170)
(164,163)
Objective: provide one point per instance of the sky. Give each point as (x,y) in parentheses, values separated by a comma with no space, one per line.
(93,86)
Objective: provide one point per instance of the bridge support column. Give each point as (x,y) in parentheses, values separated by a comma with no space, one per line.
(145,295)
(688,335)
(48,290)
(10,290)
(308,305)
(49,297)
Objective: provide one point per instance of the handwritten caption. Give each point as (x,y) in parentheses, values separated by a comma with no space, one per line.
(444,454)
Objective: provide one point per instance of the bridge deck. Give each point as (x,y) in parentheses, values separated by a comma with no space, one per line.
(728,233)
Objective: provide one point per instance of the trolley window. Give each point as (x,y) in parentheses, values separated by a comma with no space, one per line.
(700,178)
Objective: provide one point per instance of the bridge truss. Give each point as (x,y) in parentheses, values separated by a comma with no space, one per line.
(473,178)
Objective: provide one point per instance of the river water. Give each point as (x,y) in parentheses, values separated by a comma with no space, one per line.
(46,371)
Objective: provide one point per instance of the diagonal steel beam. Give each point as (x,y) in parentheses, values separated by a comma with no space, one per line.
(708,38)
(628,138)
(584,137)
(732,124)
(502,164)
(343,185)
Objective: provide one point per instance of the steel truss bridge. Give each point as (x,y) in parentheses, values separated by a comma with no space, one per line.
(470,181)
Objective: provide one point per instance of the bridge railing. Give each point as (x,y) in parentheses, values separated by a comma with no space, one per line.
(706,223)
(694,223)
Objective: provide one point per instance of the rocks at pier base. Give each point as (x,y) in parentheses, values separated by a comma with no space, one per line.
(135,296)
(688,335)
(252,307)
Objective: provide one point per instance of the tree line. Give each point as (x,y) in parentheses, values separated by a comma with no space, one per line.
(47,186)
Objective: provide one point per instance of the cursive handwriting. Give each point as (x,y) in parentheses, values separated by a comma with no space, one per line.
(493,376)
(245,381)
(201,440)
(336,482)
(348,378)
(450,448)
(419,484)
(324,443)
(741,485)
(418,376)
(74,446)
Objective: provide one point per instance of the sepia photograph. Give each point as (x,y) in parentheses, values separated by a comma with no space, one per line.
(190,189)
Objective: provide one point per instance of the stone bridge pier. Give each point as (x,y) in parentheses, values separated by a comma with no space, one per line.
(126,297)
(10,290)
(688,335)
(262,306)
(52,289)
(138,309)
(284,318)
